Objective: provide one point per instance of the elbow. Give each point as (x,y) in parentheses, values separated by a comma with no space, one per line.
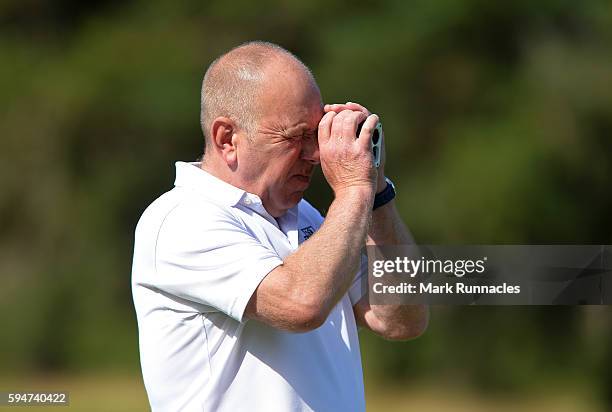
(283,306)
(403,331)
(307,317)
(308,310)
(288,315)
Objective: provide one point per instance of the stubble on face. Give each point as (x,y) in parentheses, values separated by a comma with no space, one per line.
(290,109)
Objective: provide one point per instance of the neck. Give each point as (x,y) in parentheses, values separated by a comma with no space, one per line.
(222,172)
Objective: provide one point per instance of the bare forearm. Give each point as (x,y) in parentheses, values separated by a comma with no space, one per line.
(323,268)
(299,294)
(388,229)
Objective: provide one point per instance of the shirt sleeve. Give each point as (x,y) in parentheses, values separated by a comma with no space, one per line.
(206,255)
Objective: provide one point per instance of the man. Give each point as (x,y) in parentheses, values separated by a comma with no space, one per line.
(246,298)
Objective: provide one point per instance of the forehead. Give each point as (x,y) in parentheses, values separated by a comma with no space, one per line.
(289,95)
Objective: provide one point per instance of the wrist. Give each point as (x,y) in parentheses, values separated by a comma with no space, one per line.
(381,180)
(381,183)
(361,193)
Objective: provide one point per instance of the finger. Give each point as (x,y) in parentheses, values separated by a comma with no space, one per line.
(367,130)
(324,131)
(358,107)
(337,128)
(335,107)
(350,123)
(338,107)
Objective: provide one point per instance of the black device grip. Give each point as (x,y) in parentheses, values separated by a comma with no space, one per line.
(375,134)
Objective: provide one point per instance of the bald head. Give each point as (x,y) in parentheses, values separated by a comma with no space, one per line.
(234,83)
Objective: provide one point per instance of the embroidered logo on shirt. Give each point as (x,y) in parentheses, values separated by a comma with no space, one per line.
(307,231)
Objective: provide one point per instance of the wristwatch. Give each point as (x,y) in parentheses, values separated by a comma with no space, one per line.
(384,197)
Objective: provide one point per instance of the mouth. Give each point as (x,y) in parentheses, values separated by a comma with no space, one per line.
(302,178)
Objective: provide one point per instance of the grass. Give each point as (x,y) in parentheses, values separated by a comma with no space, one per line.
(91,393)
(125,393)
(444,399)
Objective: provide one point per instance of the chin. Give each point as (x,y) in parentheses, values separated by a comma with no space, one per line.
(294,199)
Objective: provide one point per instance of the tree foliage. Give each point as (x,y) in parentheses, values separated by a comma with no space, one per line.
(498,121)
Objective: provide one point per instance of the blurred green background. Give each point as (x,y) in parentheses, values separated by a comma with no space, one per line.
(498,119)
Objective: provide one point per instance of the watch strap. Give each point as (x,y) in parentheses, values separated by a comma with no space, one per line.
(384,197)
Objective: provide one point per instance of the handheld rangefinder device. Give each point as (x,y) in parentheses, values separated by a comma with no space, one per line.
(376,141)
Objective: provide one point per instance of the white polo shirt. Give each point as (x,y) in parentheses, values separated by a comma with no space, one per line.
(200,252)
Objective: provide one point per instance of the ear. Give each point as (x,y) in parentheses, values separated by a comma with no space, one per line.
(222,131)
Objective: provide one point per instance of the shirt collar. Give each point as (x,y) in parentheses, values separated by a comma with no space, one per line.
(191,176)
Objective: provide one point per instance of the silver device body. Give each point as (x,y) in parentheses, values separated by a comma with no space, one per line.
(375,142)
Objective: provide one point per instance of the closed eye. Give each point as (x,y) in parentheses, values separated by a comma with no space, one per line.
(309,135)
(302,136)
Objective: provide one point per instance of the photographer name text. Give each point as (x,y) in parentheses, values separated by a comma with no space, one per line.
(456,268)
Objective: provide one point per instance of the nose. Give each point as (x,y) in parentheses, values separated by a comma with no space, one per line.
(310,151)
